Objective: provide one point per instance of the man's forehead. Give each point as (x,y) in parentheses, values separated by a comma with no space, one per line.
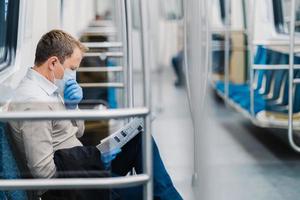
(77,53)
(73,62)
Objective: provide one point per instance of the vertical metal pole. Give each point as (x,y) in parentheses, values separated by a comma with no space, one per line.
(147,139)
(209,39)
(61,14)
(123,17)
(185,58)
(130,89)
(227,48)
(250,34)
(96,7)
(185,62)
(291,78)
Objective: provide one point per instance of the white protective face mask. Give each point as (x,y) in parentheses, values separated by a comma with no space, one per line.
(60,83)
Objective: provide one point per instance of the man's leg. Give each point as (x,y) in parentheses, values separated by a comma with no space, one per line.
(131,156)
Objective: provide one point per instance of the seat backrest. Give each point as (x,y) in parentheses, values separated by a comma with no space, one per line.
(267,74)
(296,106)
(9,168)
(278,76)
(285,97)
(260,58)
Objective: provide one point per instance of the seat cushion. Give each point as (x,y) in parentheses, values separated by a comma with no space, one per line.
(9,168)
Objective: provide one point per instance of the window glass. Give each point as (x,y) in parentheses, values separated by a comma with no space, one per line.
(6,8)
(8,31)
(222,10)
(282,15)
(3,10)
(172,9)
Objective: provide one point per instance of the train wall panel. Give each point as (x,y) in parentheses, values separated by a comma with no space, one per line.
(264,27)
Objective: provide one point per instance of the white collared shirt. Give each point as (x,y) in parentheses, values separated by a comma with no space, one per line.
(38,140)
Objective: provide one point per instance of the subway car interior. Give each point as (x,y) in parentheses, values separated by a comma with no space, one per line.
(137,99)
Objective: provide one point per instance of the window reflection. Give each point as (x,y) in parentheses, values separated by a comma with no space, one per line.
(282,15)
(8,23)
(3,15)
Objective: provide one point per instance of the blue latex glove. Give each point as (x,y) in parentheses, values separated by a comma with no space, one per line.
(72,94)
(106,158)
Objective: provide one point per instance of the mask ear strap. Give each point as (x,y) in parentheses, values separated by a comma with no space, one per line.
(53,75)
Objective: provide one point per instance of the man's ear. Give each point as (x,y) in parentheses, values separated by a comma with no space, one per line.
(51,62)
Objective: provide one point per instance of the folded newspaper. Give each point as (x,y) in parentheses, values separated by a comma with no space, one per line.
(122,136)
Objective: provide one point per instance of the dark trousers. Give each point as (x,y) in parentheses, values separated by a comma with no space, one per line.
(177,63)
(86,162)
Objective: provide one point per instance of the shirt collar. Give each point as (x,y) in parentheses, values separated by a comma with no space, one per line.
(44,83)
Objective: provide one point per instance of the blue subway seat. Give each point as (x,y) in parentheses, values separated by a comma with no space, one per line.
(279,77)
(240,94)
(112,98)
(271,93)
(267,74)
(260,58)
(9,167)
(273,75)
(282,106)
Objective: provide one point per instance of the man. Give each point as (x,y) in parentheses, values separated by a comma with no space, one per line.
(51,148)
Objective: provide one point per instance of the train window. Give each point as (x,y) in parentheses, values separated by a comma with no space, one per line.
(222,10)
(222,6)
(172,9)
(282,13)
(8,32)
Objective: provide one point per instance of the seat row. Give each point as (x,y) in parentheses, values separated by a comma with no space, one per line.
(270,86)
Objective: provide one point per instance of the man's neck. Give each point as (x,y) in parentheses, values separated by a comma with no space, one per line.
(44,72)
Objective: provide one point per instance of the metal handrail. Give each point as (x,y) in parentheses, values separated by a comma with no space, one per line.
(231,30)
(103,44)
(75,114)
(210,45)
(221,48)
(73,183)
(125,49)
(100,29)
(103,54)
(61,13)
(251,29)
(101,69)
(185,61)
(96,33)
(291,78)
(227,48)
(129,81)
(273,42)
(102,85)
(296,81)
(101,23)
(273,67)
(146,139)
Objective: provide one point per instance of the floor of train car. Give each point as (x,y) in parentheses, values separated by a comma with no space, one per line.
(172,129)
(245,161)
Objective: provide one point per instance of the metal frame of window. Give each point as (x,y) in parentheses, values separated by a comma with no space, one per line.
(11,35)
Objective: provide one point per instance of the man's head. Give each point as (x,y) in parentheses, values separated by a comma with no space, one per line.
(57,51)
